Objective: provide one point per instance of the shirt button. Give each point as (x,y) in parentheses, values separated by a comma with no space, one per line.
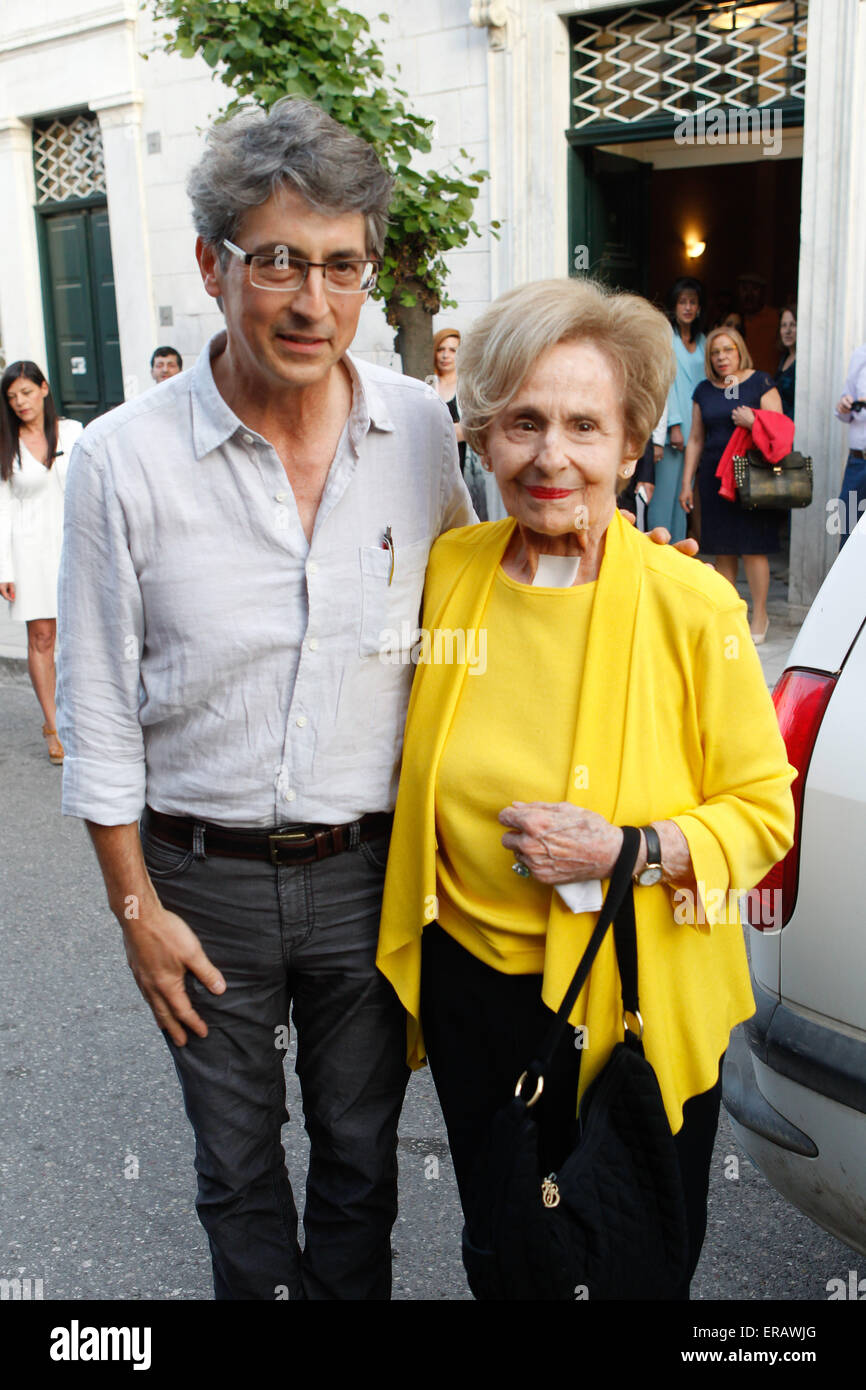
(281,497)
(290,794)
(313,644)
(248,439)
(312,568)
(301,721)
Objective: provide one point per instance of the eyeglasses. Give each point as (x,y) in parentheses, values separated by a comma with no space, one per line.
(284,272)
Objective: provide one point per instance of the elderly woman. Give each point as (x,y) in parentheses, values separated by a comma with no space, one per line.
(603,681)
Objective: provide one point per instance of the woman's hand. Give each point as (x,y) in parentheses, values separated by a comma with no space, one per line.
(687,497)
(742,415)
(7,591)
(561,843)
(677,441)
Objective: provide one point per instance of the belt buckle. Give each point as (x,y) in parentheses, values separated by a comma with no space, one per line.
(286,837)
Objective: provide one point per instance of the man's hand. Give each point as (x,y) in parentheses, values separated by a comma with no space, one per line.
(662,536)
(845,404)
(7,591)
(160,948)
(561,843)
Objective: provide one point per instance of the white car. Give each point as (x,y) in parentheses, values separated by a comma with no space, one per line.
(795,1074)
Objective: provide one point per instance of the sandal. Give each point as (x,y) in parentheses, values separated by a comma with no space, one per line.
(54,756)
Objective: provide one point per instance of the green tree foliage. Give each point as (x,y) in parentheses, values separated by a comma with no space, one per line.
(267,49)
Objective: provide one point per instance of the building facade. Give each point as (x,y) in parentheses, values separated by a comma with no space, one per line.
(619,139)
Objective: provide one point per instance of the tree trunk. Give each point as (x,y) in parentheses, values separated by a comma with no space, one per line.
(414,337)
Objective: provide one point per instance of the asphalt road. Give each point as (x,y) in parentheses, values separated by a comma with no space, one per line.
(96,1173)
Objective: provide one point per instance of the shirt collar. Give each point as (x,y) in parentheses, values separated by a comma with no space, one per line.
(213,420)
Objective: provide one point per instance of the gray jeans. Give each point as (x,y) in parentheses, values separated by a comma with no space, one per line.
(303,938)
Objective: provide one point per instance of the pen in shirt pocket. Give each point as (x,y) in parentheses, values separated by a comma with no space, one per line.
(388,544)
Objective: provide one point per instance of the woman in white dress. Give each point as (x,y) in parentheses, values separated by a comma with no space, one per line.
(34,455)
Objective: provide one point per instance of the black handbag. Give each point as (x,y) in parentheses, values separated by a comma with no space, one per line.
(761,484)
(610,1222)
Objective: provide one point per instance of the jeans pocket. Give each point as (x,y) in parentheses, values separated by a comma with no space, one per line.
(162,859)
(376,851)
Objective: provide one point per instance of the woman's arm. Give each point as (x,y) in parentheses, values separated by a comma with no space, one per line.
(7,570)
(562,843)
(694,449)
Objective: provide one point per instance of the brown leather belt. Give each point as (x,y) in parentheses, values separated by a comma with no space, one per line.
(284,845)
(857,453)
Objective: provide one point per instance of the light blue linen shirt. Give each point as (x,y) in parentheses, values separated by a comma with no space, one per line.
(212,662)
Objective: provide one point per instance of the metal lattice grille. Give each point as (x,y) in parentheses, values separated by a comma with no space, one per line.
(67,157)
(641,63)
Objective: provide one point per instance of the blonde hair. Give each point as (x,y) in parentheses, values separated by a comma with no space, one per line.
(739,343)
(504,344)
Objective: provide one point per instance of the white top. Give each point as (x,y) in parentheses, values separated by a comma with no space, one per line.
(211,661)
(31,527)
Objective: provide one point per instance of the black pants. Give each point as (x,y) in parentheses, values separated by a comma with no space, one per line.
(481,1028)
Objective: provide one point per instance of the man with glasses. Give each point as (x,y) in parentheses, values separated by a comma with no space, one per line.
(242,550)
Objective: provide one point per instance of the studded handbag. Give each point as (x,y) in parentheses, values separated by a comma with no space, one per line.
(610,1222)
(783,485)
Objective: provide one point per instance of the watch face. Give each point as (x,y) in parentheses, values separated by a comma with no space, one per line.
(650,875)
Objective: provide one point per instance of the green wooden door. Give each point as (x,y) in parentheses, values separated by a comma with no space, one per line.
(81,314)
(609,197)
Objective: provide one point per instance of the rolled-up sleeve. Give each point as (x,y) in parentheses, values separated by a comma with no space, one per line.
(100,633)
(745,823)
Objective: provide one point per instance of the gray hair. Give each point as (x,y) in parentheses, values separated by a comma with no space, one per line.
(295,145)
(505,343)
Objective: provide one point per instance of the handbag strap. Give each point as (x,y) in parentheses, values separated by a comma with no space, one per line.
(617,908)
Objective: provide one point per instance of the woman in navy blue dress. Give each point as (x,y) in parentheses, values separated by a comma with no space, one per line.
(731,394)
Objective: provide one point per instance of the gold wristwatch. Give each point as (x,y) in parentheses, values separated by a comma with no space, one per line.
(652,870)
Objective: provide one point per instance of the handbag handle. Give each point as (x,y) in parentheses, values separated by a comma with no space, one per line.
(617,908)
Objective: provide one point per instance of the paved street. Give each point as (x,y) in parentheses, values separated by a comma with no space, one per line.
(90,1096)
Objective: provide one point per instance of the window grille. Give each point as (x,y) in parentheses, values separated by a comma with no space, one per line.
(67,158)
(670,61)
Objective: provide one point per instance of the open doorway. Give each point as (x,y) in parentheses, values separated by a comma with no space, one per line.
(640,208)
(646,212)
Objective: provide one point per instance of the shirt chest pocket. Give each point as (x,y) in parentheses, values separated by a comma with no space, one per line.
(391,598)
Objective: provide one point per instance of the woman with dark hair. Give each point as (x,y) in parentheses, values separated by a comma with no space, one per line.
(34,454)
(786,372)
(685,305)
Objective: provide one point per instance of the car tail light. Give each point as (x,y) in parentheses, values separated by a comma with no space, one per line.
(801,697)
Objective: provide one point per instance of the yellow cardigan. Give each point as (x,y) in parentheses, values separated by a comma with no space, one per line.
(674,722)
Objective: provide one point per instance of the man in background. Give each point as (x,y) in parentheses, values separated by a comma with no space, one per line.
(760,322)
(852,410)
(164,363)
